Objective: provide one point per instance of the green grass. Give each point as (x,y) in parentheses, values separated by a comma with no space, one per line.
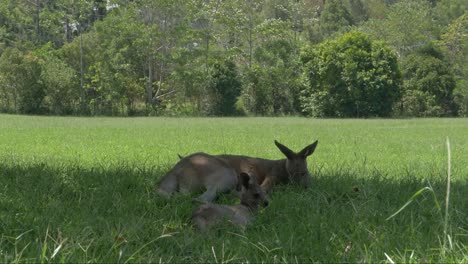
(82,190)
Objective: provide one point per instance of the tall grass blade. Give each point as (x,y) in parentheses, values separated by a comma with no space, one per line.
(145,245)
(56,251)
(20,254)
(44,248)
(389,258)
(436,201)
(214,254)
(22,234)
(44,252)
(415,195)
(447,196)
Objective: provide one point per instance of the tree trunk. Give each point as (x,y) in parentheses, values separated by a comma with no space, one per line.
(149,88)
(37,22)
(82,92)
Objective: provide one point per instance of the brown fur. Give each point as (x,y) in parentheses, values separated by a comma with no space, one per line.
(219,173)
(252,198)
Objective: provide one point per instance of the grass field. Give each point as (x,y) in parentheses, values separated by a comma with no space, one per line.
(82,190)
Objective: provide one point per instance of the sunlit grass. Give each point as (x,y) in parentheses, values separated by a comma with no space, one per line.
(81,189)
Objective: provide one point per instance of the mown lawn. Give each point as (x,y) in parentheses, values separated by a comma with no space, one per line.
(82,190)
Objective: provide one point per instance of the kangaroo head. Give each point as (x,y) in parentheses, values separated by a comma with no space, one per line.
(296,163)
(252,195)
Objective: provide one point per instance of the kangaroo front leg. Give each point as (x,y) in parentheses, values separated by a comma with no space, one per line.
(267,185)
(167,186)
(209,195)
(221,180)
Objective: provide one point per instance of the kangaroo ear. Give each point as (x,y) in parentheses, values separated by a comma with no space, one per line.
(307,151)
(244,179)
(286,151)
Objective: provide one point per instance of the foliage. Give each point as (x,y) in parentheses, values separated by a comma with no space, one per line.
(427,72)
(454,44)
(271,85)
(358,11)
(448,11)
(256,94)
(20,76)
(157,57)
(334,17)
(59,79)
(225,88)
(419,104)
(350,77)
(407,26)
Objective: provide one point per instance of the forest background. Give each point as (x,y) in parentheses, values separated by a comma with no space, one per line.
(352,58)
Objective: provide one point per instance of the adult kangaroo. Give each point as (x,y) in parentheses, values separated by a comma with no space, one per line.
(219,173)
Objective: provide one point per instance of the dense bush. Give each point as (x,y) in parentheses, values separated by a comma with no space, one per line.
(225,88)
(454,45)
(427,77)
(351,76)
(20,78)
(419,104)
(271,84)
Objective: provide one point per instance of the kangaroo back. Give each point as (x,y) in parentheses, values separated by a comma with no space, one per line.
(215,174)
(197,172)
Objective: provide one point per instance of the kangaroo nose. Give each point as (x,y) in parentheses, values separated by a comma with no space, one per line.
(265,203)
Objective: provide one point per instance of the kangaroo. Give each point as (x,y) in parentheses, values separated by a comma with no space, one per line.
(252,198)
(218,173)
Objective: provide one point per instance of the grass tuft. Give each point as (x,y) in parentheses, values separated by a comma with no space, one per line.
(447,201)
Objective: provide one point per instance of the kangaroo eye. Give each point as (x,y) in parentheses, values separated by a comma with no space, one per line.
(256,195)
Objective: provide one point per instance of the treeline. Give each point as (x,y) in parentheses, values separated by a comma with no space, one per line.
(323,58)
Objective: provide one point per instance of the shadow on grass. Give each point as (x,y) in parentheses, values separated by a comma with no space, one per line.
(113,214)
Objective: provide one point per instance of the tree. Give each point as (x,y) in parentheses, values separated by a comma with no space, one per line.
(10,66)
(118,71)
(271,87)
(20,74)
(407,26)
(417,103)
(448,11)
(225,88)
(60,82)
(256,94)
(454,44)
(426,71)
(376,9)
(351,76)
(358,11)
(164,24)
(334,17)
(167,57)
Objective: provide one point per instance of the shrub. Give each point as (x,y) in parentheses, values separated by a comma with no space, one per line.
(351,76)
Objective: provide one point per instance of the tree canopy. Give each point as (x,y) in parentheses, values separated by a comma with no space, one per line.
(349,58)
(350,77)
